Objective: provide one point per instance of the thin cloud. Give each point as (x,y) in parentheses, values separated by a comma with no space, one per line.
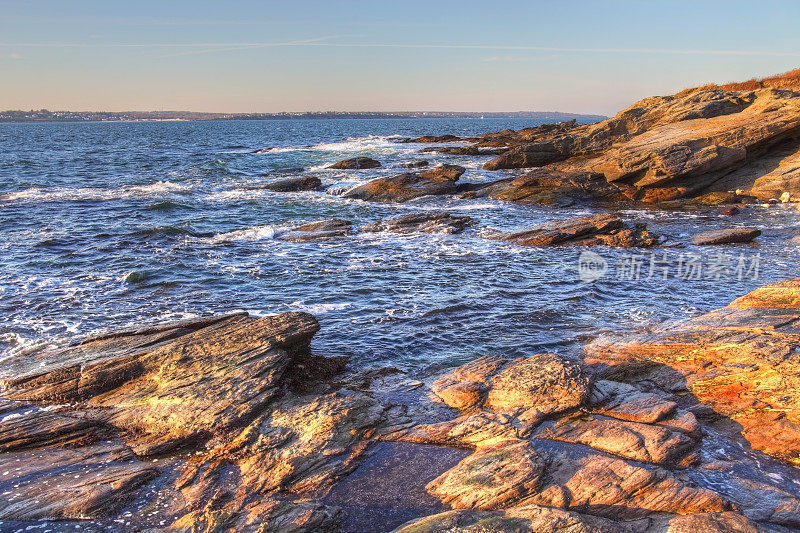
(317,43)
(14,56)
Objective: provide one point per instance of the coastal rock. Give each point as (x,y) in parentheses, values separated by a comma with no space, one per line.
(615,488)
(545,382)
(493,477)
(305,183)
(630,440)
(530,518)
(699,141)
(740,360)
(402,188)
(317,231)
(626,402)
(592,230)
(726,236)
(356,163)
(60,483)
(443,173)
(145,383)
(546,186)
(417,164)
(435,222)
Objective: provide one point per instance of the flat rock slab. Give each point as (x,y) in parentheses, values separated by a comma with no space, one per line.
(726,236)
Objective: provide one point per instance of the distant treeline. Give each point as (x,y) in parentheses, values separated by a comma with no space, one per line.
(43,115)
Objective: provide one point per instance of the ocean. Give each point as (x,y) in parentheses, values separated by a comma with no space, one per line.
(114,224)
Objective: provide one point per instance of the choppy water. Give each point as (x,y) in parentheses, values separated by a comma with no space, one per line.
(112,224)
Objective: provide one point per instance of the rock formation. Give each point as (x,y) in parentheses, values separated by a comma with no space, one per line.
(356,163)
(709,139)
(741,360)
(408,186)
(305,183)
(436,222)
(592,230)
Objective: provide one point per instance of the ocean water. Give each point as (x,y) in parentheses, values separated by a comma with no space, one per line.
(108,225)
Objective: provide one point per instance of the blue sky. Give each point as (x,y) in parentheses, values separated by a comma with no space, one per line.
(581,56)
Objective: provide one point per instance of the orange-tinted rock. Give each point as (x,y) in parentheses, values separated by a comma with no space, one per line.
(493,477)
(592,230)
(402,188)
(530,518)
(443,173)
(741,360)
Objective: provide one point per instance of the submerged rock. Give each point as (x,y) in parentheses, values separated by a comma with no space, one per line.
(592,230)
(356,163)
(726,236)
(416,164)
(317,231)
(435,222)
(306,183)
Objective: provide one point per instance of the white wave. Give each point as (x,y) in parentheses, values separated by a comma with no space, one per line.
(318,309)
(35,194)
(255,233)
(350,144)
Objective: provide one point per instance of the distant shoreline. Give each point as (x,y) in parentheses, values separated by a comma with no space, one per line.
(176,116)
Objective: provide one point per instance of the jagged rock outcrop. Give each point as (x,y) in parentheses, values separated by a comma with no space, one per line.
(356,163)
(231,383)
(709,139)
(741,360)
(726,236)
(554,188)
(435,222)
(604,229)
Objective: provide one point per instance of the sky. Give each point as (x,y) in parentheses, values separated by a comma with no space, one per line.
(397,55)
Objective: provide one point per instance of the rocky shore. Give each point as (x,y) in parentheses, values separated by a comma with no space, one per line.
(231,423)
(234,423)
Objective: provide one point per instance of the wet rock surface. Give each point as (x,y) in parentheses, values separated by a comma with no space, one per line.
(305,183)
(609,230)
(356,163)
(404,187)
(726,236)
(437,222)
(317,231)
